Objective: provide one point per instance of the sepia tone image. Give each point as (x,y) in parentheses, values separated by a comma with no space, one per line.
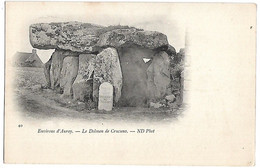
(130,83)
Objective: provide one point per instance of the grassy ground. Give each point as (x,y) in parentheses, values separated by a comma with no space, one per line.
(45,103)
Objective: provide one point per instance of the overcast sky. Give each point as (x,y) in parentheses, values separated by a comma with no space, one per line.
(154,17)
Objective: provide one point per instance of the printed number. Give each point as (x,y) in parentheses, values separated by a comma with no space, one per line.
(20,125)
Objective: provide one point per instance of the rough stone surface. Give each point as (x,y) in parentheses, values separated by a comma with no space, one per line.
(55,70)
(180,56)
(173,104)
(170,98)
(74,36)
(134,90)
(175,85)
(121,37)
(171,50)
(88,38)
(83,85)
(68,74)
(82,90)
(47,67)
(159,76)
(107,69)
(86,67)
(57,58)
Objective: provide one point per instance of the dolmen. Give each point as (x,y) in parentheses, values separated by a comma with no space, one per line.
(87,55)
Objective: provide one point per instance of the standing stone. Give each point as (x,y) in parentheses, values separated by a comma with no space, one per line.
(56,66)
(134,90)
(107,69)
(105,100)
(159,76)
(68,74)
(47,67)
(83,85)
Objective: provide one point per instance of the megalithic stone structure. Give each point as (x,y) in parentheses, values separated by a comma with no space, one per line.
(87,55)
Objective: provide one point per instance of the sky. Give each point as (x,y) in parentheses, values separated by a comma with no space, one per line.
(153,17)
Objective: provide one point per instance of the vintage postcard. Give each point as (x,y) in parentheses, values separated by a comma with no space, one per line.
(130,83)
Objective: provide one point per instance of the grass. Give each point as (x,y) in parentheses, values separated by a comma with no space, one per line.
(27,77)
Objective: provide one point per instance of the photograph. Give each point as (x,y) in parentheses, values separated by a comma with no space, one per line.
(117,83)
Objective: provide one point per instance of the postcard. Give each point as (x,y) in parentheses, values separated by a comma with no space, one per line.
(130,83)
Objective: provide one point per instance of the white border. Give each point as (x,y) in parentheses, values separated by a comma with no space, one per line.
(2,61)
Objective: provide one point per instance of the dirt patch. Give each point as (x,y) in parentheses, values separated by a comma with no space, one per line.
(45,103)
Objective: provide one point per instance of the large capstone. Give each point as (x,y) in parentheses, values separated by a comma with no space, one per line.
(134,90)
(89,38)
(83,85)
(68,74)
(121,37)
(107,69)
(159,76)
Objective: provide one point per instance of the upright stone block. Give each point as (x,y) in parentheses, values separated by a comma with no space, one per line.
(134,90)
(107,69)
(159,76)
(56,66)
(68,74)
(47,68)
(83,85)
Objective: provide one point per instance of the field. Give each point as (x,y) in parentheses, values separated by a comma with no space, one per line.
(35,102)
